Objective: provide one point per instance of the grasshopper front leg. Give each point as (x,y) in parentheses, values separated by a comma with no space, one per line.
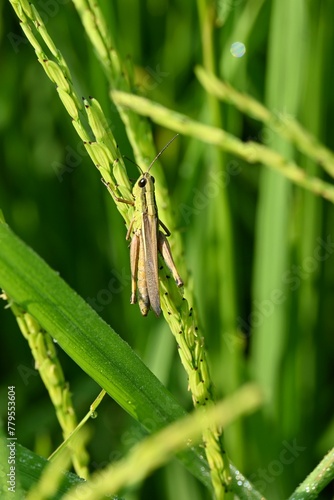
(114,195)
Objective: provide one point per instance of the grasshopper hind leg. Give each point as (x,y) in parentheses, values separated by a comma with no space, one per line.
(134,255)
(166,253)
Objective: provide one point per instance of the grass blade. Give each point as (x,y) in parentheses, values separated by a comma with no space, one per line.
(88,340)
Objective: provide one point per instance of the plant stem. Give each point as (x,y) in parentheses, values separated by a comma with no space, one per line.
(251,151)
(50,370)
(284,125)
(317,480)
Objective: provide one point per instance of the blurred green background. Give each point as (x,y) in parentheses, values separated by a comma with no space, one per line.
(264,238)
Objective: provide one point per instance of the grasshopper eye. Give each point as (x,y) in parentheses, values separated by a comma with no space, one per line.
(142,182)
(153,179)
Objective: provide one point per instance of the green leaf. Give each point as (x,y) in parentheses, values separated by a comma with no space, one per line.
(89,341)
(30,467)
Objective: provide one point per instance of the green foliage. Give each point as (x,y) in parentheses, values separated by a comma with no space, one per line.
(258,243)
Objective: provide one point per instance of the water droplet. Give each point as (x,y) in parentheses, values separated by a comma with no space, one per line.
(238,49)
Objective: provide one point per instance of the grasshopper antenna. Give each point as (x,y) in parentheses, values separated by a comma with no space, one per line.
(129,159)
(163,149)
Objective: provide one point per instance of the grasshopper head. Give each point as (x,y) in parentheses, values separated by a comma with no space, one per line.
(145,179)
(144,184)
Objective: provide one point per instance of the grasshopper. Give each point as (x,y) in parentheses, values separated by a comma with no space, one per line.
(146,241)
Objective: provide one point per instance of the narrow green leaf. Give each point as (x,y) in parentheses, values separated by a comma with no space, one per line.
(89,341)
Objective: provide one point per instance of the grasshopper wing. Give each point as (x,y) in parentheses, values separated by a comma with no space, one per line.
(150,229)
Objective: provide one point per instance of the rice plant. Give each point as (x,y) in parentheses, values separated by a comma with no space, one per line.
(88,89)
